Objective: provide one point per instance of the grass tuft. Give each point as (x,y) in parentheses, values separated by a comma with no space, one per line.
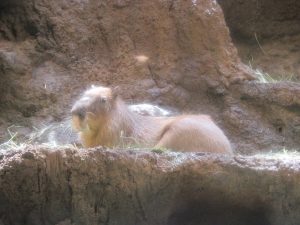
(267,78)
(38,136)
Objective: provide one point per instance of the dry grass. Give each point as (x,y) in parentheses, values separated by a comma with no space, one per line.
(267,78)
(128,143)
(264,77)
(15,142)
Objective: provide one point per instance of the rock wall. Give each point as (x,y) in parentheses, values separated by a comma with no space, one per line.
(171,47)
(266,34)
(70,186)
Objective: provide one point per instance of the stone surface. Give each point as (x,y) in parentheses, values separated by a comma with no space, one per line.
(265,116)
(39,185)
(266,34)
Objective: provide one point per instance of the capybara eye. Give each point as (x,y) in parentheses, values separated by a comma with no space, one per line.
(102,100)
(78,112)
(81,115)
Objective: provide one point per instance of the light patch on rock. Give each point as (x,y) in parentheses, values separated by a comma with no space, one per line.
(149,110)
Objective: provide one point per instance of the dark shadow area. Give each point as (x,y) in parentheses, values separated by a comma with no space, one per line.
(221,213)
(266,18)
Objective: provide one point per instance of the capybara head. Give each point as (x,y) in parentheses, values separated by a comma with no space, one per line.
(92,107)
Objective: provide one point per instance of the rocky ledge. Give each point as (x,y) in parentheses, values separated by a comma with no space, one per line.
(42,185)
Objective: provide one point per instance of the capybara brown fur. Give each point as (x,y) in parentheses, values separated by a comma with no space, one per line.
(102,118)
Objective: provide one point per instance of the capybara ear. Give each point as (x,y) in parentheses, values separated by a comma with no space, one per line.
(90,120)
(115,91)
